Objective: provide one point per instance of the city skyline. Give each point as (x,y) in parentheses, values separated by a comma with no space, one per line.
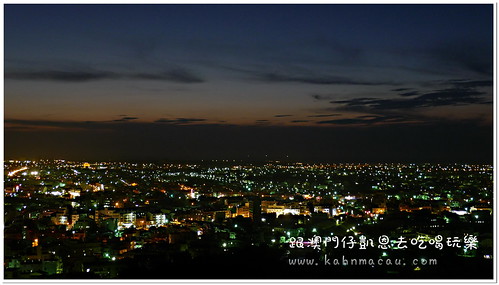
(327,83)
(122,220)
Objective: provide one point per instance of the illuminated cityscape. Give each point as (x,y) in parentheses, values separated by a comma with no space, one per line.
(68,219)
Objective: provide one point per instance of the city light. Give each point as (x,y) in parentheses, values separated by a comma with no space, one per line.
(14,172)
(121,222)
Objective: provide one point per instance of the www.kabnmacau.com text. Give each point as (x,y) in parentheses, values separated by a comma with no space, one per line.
(344,261)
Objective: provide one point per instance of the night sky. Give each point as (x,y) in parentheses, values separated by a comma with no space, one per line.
(322,83)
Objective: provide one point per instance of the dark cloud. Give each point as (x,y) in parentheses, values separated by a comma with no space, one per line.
(321,80)
(473,56)
(365,120)
(18,128)
(401,89)
(320,97)
(67,124)
(65,76)
(324,115)
(179,121)
(302,76)
(464,83)
(408,94)
(261,120)
(40,125)
(99,125)
(175,75)
(443,97)
(300,121)
(281,116)
(125,119)
(355,101)
(451,96)
(46,123)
